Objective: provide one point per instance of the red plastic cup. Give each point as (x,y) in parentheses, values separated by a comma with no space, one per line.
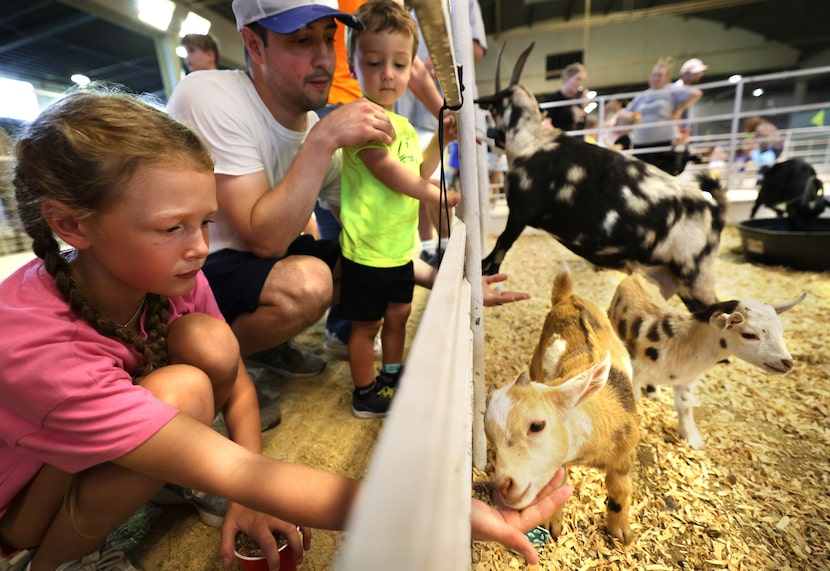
(259,563)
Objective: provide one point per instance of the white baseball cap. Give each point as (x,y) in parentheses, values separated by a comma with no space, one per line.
(693,65)
(289,16)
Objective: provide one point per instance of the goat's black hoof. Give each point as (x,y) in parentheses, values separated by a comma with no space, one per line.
(489,269)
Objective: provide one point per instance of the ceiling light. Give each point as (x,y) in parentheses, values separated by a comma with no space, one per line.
(194,24)
(590,107)
(591,94)
(181,51)
(758,92)
(19,100)
(735,78)
(157,13)
(80,79)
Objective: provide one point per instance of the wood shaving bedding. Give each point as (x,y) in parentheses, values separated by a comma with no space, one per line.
(756,496)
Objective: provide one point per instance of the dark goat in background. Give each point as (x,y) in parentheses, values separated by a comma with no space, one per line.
(792,188)
(613,210)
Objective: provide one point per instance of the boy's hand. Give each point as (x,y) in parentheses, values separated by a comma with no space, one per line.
(453,198)
(450,127)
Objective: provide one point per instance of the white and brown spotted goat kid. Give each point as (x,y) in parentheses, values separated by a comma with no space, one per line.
(579,410)
(671,347)
(613,210)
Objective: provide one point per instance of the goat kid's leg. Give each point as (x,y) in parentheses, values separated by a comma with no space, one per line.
(637,387)
(618,486)
(555,522)
(684,402)
(512,230)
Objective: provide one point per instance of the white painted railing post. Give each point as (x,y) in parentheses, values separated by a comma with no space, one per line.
(413,512)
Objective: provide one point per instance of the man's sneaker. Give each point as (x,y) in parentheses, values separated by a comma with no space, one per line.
(286,360)
(211,508)
(337,348)
(107,560)
(270,416)
(270,413)
(372,401)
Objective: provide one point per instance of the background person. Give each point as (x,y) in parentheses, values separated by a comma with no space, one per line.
(568,117)
(661,102)
(202,52)
(423,115)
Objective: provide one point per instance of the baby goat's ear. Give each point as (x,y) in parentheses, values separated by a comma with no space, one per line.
(723,321)
(583,386)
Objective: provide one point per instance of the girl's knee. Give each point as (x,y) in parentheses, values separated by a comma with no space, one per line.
(205,342)
(184,387)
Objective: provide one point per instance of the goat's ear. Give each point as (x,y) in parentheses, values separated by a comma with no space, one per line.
(523,379)
(782,307)
(486,101)
(723,321)
(586,384)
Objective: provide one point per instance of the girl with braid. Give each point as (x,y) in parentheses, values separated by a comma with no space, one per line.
(116,359)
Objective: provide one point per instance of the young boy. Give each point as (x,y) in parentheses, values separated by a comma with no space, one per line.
(381,189)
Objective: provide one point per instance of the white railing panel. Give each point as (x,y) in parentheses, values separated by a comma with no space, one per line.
(413,513)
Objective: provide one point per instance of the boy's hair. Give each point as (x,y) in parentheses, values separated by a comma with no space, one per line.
(382,16)
(202,42)
(83,150)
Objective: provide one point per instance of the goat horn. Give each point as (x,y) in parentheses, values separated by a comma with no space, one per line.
(782,307)
(520,64)
(498,68)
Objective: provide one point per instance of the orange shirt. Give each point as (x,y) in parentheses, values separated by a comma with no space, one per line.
(344,88)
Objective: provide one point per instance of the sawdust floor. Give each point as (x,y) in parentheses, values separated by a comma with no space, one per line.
(756,497)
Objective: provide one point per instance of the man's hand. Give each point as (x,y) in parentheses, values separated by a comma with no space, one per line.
(491,297)
(356,123)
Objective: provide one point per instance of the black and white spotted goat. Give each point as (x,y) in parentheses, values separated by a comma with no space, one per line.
(671,347)
(613,210)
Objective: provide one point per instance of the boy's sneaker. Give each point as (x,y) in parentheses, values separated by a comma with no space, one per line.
(107,560)
(287,361)
(434,258)
(337,348)
(390,379)
(372,401)
(211,508)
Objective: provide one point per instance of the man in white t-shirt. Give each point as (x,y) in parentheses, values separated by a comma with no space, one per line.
(273,157)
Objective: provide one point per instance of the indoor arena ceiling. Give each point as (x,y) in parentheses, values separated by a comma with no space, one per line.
(45,41)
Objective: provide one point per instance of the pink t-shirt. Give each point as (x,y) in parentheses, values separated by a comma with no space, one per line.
(66,395)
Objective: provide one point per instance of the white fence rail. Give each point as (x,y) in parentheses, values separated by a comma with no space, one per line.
(414,511)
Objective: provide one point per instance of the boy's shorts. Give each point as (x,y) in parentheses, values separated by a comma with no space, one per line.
(366,291)
(237,278)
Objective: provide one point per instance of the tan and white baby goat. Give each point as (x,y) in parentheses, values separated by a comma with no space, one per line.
(579,410)
(673,347)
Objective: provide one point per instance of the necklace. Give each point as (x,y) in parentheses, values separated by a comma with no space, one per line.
(132,319)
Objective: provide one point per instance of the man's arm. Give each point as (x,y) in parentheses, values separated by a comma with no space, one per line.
(269,218)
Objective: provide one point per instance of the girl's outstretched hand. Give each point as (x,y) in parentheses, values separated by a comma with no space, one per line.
(508,526)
